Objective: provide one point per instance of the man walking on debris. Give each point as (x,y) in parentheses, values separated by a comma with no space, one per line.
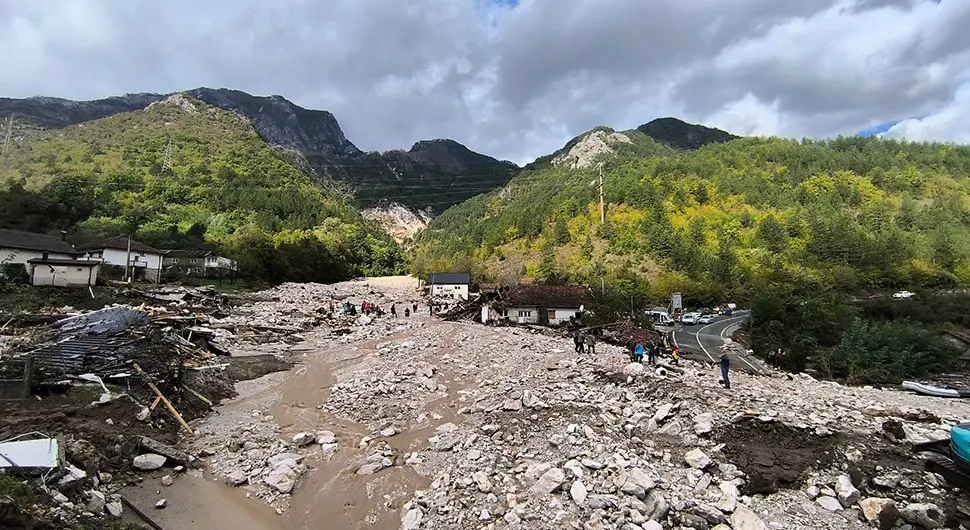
(578,342)
(590,343)
(638,353)
(726,362)
(652,353)
(393,310)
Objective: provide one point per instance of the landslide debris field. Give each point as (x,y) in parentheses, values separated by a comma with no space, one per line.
(420,423)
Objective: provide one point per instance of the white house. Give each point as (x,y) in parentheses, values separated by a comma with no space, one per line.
(145,262)
(447,285)
(63,272)
(18,247)
(539,304)
(204,263)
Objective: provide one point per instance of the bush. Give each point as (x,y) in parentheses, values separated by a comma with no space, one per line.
(886,353)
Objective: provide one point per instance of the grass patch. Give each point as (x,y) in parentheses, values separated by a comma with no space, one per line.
(15,490)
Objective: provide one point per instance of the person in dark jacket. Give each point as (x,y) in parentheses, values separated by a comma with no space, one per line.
(578,342)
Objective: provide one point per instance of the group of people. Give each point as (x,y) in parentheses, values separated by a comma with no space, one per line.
(408,310)
(584,343)
(653,351)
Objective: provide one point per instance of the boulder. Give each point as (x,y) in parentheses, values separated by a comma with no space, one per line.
(744,518)
(481,480)
(697,459)
(283,476)
(548,482)
(96,502)
(880,512)
(412,519)
(924,514)
(634,370)
(655,507)
(167,480)
(303,439)
(115,509)
(651,525)
(275,460)
(529,399)
(703,424)
(161,504)
(578,492)
(148,462)
(236,477)
(663,412)
(847,493)
(328,449)
(326,437)
(512,405)
(709,513)
(829,503)
(591,464)
(729,497)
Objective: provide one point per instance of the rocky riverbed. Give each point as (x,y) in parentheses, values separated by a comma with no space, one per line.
(417,423)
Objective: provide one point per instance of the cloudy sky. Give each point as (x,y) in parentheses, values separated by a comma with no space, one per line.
(517,78)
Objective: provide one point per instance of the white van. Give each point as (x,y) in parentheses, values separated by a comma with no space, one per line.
(689,319)
(660,317)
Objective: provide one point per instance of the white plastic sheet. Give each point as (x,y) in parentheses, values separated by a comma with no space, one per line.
(43,453)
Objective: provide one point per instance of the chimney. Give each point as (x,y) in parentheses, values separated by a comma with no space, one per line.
(64,236)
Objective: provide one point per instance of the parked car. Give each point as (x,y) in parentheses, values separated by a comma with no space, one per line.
(704,311)
(689,319)
(903,295)
(705,319)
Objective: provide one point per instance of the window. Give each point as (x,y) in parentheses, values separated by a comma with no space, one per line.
(552,314)
(525,314)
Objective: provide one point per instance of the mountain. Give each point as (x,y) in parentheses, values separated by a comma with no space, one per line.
(720,220)
(682,135)
(433,175)
(183,174)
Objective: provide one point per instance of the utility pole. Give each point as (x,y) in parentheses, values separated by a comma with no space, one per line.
(128,260)
(602,202)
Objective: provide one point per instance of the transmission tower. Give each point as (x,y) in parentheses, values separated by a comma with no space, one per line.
(168,156)
(3,148)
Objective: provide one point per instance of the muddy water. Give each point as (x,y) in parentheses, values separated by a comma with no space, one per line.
(197,501)
(332,491)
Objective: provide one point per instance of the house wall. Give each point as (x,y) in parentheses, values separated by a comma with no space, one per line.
(16,255)
(146,265)
(449,291)
(562,314)
(531,315)
(63,275)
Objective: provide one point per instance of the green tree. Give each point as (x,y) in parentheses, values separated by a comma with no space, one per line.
(772,234)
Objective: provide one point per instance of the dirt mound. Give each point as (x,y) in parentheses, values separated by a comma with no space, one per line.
(775,455)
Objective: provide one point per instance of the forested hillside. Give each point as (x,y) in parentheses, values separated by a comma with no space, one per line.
(225,186)
(852,213)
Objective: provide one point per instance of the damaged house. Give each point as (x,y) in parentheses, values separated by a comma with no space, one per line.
(539,304)
(47,259)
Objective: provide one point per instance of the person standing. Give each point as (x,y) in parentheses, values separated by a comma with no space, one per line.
(725,365)
(652,353)
(578,342)
(407,312)
(675,355)
(394,311)
(638,353)
(590,342)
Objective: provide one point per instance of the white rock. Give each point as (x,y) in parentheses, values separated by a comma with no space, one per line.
(115,509)
(481,480)
(474,455)
(634,370)
(236,477)
(161,504)
(663,412)
(283,477)
(148,462)
(697,459)
(96,502)
(578,492)
(303,439)
(729,497)
(484,516)
(548,482)
(326,437)
(275,460)
(328,450)
(388,432)
(829,503)
(591,464)
(529,399)
(412,519)
(703,423)
(848,494)
(744,518)
(167,480)
(652,525)
(512,405)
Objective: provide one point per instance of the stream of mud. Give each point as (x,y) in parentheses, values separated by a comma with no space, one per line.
(331,493)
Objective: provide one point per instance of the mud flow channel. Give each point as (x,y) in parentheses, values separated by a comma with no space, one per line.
(331,494)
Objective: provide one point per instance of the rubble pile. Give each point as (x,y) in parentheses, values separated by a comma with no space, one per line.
(516,430)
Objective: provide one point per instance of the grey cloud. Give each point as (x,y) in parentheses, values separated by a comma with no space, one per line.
(513,83)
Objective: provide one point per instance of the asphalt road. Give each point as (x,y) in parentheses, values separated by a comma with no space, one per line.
(703,342)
